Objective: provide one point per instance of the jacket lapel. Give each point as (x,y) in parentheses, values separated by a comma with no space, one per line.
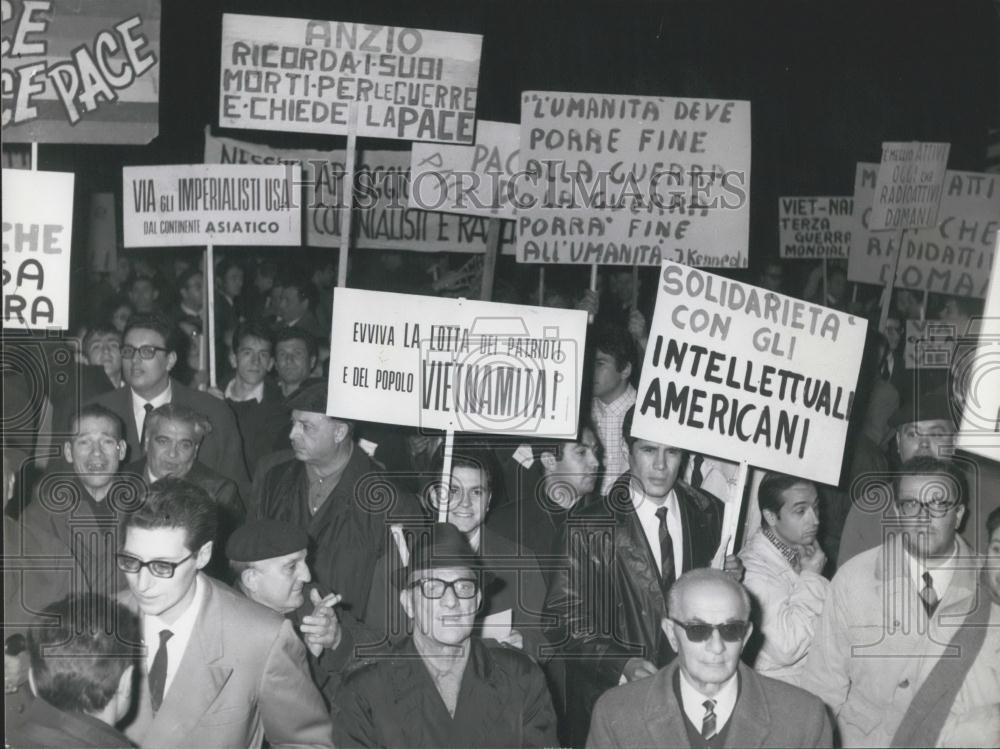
(750,723)
(200,677)
(664,714)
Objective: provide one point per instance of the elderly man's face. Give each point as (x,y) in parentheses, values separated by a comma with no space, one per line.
(171,448)
(95,452)
(447,620)
(931,503)
(993,562)
(314,436)
(923,438)
(293,362)
(710,663)
(278,583)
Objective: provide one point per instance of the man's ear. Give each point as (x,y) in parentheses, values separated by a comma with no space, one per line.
(121,448)
(548,461)
(248,578)
(171,360)
(770,517)
(627,371)
(746,637)
(68,452)
(204,554)
(670,630)
(232,360)
(406,601)
(341,430)
(123,694)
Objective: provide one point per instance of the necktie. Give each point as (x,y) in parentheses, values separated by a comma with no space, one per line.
(667,575)
(708,722)
(158,671)
(148,408)
(696,476)
(928,595)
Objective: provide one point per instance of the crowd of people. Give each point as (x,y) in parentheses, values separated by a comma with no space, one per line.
(199,561)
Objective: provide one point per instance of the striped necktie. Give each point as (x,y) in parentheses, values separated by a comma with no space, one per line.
(708,722)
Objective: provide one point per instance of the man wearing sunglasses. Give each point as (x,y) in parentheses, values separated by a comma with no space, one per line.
(442,687)
(219,670)
(891,611)
(148,355)
(705,697)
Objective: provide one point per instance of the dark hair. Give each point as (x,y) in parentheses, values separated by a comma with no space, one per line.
(137,277)
(295,333)
(774,485)
(923,465)
(253,329)
(615,341)
(158,323)
(201,424)
(224,266)
(305,289)
(558,447)
(101,328)
(267,269)
(77,663)
(993,521)
(176,503)
(476,456)
(96,411)
(187,274)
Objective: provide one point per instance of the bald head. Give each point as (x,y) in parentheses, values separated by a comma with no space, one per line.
(695,585)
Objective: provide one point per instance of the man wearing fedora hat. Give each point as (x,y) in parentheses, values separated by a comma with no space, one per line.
(441,687)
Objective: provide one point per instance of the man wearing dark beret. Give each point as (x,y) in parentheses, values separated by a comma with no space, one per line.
(335,493)
(442,687)
(268,561)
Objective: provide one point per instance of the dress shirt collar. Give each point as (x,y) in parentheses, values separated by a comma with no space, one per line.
(941,569)
(790,554)
(257,394)
(138,403)
(725,701)
(619,405)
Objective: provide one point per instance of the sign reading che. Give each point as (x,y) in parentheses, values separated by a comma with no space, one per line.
(745,374)
(37,239)
(456,365)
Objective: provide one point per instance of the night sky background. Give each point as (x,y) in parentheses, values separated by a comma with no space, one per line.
(827,81)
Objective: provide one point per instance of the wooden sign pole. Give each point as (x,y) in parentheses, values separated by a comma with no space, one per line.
(890,284)
(348,194)
(210,291)
(541,285)
(444,496)
(493,231)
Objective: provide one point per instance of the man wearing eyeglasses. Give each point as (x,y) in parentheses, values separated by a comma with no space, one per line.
(148,355)
(891,610)
(219,670)
(442,687)
(705,697)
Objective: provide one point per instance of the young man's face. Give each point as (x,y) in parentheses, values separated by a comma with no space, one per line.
(469,499)
(144,374)
(232,282)
(290,305)
(252,360)
(655,466)
(160,596)
(608,379)
(95,452)
(105,350)
(797,522)
(923,438)
(993,563)
(193,292)
(577,468)
(143,295)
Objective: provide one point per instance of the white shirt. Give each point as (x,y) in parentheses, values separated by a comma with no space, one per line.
(941,571)
(182,629)
(725,701)
(257,394)
(139,405)
(645,510)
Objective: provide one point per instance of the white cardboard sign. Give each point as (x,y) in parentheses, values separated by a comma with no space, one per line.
(456,364)
(742,373)
(815,228)
(37,242)
(202,204)
(909,186)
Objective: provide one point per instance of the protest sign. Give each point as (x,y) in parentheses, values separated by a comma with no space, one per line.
(455,364)
(978,372)
(929,344)
(210,204)
(953,257)
(298,75)
(909,185)
(476,180)
(81,72)
(745,374)
(633,180)
(382,220)
(815,228)
(37,241)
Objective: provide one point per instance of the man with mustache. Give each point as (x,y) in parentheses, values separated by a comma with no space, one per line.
(76,513)
(784,573)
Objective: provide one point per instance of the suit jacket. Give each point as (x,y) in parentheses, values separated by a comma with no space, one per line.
(610,561)
(243,678)
(768,713)
(392,702)
(44,727)
(222,450)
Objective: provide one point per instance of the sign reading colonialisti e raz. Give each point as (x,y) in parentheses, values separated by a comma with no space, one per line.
(217,204)
(456,364)
(742,373)
(37,239)
(298,75)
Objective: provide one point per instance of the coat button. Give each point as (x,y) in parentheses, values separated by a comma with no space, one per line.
(904,683)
